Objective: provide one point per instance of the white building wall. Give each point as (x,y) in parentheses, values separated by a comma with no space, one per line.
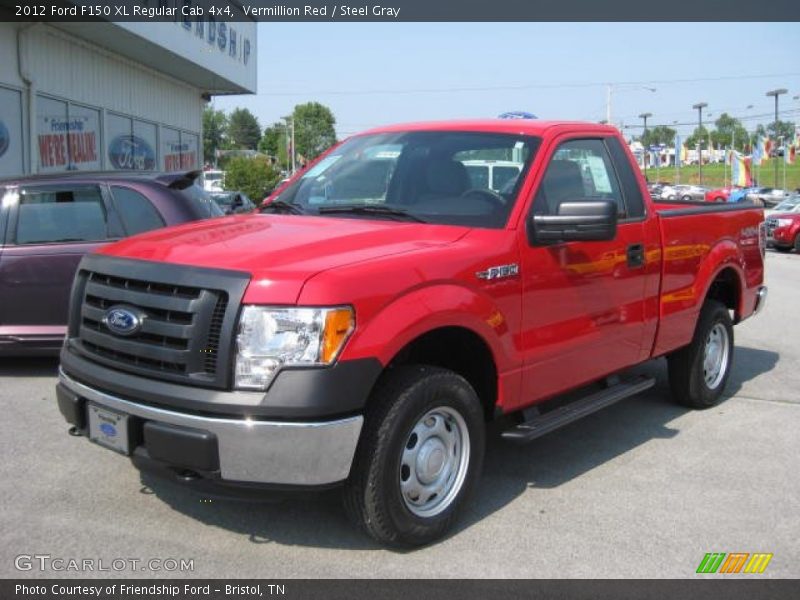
(76,70)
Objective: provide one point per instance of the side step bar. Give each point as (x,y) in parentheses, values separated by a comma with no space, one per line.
(549,421)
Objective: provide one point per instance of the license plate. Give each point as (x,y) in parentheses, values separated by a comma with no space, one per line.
(109,428)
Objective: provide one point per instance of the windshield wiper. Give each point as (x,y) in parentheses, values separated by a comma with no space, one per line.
(372,209)
(284,206)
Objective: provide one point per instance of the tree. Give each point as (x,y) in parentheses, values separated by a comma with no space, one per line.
(215,126)
(700,134)
(256,177)
(243,130)
(273,143)
(660,134)
(784,129)
(313,129)
(729,129)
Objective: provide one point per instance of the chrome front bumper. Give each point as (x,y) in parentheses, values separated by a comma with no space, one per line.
(271,452)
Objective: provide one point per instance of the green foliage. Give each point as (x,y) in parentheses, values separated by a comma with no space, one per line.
(243,130)
(701,135)
(784,129)
(256,177)
(215,126)
(660,134)
(729,130)
(273,143)
(313,130)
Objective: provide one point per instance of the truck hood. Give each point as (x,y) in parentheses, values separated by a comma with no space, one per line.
(281,252)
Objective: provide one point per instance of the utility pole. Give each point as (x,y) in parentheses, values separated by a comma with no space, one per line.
(644,116)
(699,108)
(775,94)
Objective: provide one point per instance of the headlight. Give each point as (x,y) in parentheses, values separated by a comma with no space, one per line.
(784,222)
(270,338)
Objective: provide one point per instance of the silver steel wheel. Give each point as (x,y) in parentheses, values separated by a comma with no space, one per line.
(435,461)
(715,356)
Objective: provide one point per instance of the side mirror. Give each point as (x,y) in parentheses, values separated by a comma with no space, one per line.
(575,221)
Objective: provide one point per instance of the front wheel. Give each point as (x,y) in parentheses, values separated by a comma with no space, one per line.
(420,453)
(698,372)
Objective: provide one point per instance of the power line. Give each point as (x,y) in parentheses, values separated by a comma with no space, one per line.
(529,86)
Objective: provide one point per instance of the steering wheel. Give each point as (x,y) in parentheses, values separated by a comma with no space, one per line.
(496,199)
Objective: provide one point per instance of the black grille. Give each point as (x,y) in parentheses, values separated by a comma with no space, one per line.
(772,224)
(185,332)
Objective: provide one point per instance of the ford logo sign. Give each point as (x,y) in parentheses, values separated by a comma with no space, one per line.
(122,321)
(130,152)
(5,138)
(108,429)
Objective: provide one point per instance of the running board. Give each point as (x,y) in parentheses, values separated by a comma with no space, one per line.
(549,421)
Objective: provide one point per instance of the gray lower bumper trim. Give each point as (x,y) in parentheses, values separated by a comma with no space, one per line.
(277,452)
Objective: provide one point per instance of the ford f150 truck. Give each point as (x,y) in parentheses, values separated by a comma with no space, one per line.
(380,311)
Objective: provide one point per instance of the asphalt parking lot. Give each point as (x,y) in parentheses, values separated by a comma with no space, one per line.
(642,489)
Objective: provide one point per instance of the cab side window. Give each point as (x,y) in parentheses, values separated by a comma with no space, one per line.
(51,215)
(580,171)
(137,212)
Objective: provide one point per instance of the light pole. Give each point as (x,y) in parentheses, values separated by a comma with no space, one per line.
(775,94)
(699,108)
(644,117)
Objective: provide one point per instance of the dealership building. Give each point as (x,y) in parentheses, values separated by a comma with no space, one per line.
(115,96)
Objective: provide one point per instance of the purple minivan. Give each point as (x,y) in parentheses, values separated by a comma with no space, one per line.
(48,222)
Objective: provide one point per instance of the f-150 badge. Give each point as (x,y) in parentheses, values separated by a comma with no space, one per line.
(499,272)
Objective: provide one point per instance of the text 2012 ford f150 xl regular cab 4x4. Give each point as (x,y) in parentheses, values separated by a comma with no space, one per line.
(385,307)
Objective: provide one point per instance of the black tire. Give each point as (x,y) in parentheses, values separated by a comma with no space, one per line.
(686,198)
(783,248)
(372,494)
(687,375)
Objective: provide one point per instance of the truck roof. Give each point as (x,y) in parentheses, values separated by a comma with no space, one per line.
(517,126)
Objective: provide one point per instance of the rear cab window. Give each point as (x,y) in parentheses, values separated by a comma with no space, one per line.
(59,214)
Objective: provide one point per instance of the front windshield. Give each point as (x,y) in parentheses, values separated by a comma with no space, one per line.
(789,204)
(432,176)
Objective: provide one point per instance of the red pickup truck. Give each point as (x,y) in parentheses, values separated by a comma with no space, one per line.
(386,305)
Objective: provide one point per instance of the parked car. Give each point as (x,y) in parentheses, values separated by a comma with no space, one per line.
(688,193)
(213,180)
(48,222)
(366,325)
(728,194)
(790,205)
(233,202)
(783,231)
(767,196)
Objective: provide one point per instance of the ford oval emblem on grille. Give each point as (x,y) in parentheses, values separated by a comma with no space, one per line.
(122,321)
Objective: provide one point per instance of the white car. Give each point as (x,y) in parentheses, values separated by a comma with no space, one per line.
(790,205)
(213,181)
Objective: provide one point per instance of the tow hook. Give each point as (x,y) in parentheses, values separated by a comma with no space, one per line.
(75,432)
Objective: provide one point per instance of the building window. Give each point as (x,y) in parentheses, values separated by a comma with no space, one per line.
(130,144)
(68,136)
(179,149)
(11,147)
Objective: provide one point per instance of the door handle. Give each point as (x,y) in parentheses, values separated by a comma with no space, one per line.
(635,254)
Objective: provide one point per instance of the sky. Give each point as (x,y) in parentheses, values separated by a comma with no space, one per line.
(371,74)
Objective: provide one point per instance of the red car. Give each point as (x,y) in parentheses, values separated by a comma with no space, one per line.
(783,231)
(47,224)
(364,330)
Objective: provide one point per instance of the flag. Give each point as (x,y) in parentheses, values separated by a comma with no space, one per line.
(767,148)
(740,170)
(678,151)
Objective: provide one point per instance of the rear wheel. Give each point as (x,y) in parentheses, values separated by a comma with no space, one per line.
(687,198)
(420,453)
(699,372)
